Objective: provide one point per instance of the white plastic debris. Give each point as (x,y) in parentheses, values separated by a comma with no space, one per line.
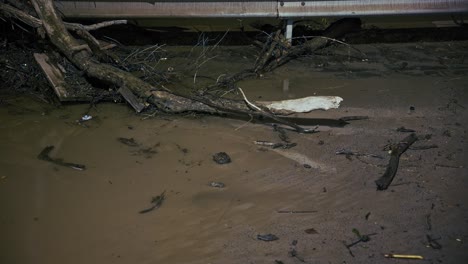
(86,118)
(306,104)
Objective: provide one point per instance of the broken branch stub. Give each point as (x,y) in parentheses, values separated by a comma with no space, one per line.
(392,167)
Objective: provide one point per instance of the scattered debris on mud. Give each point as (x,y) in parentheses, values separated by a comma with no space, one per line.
(409,94)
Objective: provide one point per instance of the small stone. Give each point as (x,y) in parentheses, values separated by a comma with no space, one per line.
(267,237)
(221,158)
(307,166)
(311,231)
(404,129)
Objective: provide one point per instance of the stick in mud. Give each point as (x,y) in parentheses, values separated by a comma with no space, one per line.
(433,242)
(353,153)
(392,167)
(424,147)
(295,212)
(353,118)
(274,145)
(44,155)
(156,201)
(449,166)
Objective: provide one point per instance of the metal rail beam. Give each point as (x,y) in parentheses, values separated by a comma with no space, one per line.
(259,8)
(289,9)
(172,9)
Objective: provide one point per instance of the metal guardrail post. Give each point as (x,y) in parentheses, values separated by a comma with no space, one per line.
(289,30)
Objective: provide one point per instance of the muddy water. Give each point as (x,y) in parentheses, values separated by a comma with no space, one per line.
(64,213)
(55,214)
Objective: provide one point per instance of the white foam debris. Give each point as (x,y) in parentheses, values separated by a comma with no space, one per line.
(306,104)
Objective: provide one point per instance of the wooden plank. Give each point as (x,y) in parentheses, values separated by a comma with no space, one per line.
(54,75)
(135,102)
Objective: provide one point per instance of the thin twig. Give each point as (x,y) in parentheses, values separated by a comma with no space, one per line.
(334,40)
(75,26)
(295,212)
(247,100)
(243,125)
(199,66)
(219,77)
(113,40)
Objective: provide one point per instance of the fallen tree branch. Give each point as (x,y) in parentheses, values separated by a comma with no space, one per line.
(333,32)
(162,98)
(165,100)
(277,52)
(94,26)
(396,151)
(11,12)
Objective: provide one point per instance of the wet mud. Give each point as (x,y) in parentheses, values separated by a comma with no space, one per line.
(308,197)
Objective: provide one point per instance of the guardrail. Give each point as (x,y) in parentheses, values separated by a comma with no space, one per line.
(240,9)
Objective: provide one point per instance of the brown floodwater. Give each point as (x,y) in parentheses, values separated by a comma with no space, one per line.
(56,214)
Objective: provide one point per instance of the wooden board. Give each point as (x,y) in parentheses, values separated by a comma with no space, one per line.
(56,78)
(135,102)
(54,75)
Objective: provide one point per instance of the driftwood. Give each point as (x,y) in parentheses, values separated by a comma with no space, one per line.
(162,98)
(396,151)
(93,60)
(277,51)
